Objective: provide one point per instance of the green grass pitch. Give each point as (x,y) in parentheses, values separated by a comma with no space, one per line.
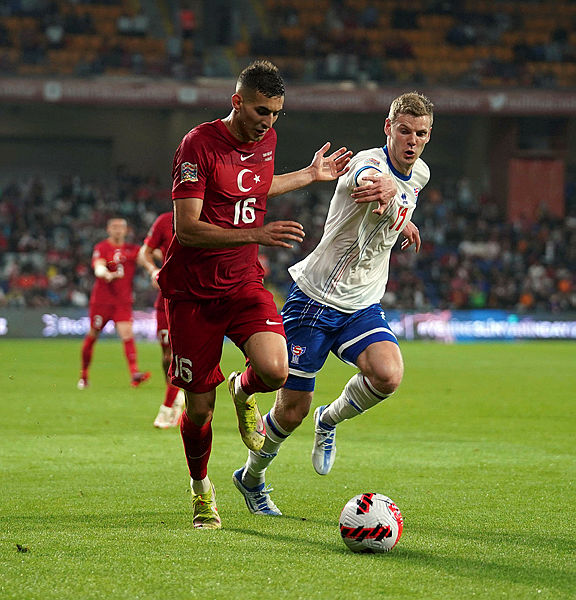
(476,448)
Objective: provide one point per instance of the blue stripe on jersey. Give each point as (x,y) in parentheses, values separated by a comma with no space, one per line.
(397,173)
(364,169)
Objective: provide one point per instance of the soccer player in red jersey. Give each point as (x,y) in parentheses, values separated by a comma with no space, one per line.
(152,250)
(223,174)
(114,264)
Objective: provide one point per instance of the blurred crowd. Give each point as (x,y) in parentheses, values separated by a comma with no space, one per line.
(471,44)
(466,43)
(48,231)
(470,258)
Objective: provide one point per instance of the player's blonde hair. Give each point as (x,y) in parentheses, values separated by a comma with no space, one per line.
(411,103)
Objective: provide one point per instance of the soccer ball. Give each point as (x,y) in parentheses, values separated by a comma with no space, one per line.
(371,523)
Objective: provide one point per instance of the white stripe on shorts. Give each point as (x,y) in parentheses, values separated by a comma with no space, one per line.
(298,373)
(351,342)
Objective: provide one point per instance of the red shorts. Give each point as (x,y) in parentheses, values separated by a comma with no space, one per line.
(100,314)
(197,331)
(162,327)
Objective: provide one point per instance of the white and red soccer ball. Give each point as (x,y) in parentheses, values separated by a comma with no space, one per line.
(371,523)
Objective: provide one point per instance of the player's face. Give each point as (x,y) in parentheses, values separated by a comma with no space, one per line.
(117,230)
(254,115)
(406,138)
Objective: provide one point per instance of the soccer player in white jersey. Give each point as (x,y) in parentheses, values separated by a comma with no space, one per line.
(334,302)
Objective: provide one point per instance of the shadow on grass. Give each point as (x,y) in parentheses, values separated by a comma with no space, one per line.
(470,567)
(511,568)
(530,540)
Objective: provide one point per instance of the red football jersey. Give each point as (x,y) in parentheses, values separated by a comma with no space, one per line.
(233,179)
(117,291)
(158,238)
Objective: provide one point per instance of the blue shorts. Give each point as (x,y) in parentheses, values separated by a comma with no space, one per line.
(314,329)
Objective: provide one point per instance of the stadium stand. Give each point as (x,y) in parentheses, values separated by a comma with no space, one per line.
(468,44)
(471,258)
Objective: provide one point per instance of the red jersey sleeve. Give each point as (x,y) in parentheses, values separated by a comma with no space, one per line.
(193,163)
(160,234)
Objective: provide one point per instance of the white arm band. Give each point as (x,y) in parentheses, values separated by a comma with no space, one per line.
(100,270)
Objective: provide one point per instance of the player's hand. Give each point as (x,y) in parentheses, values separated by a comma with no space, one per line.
(377,188)
(328,168)
(277,232)
(412,235)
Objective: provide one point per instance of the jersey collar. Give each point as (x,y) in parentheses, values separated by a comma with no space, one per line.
(393,169)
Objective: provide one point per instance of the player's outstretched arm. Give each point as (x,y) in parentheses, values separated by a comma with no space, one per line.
(375,188)
(322,168)
(412,236)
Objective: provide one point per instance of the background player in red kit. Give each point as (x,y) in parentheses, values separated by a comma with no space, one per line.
(223,173)
(154,248)
(114,264)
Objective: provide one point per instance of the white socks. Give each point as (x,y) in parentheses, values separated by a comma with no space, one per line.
(258,462)
(238,390)
(200,486)
(358,396)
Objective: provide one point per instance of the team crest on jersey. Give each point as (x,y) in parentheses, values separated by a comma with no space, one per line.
(188,172)
(297,352)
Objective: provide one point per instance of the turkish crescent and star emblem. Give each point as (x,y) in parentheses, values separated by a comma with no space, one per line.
(240,182)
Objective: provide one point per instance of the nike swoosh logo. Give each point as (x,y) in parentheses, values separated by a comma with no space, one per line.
(242,157)
(269,322)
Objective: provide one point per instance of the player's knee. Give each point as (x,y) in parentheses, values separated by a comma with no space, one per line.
(199,415)
(387,378)
(275,375)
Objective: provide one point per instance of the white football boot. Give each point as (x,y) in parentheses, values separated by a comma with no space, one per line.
(324,449)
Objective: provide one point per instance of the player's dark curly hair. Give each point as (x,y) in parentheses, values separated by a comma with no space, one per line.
(262,76)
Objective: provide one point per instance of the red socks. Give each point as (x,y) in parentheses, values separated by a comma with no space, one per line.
(131,357)
(87,350)
(251,383)
(197,445)
(171,393)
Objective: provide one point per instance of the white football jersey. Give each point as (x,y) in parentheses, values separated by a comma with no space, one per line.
(348,270)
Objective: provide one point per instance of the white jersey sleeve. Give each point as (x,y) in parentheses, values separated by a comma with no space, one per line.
(348,270)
